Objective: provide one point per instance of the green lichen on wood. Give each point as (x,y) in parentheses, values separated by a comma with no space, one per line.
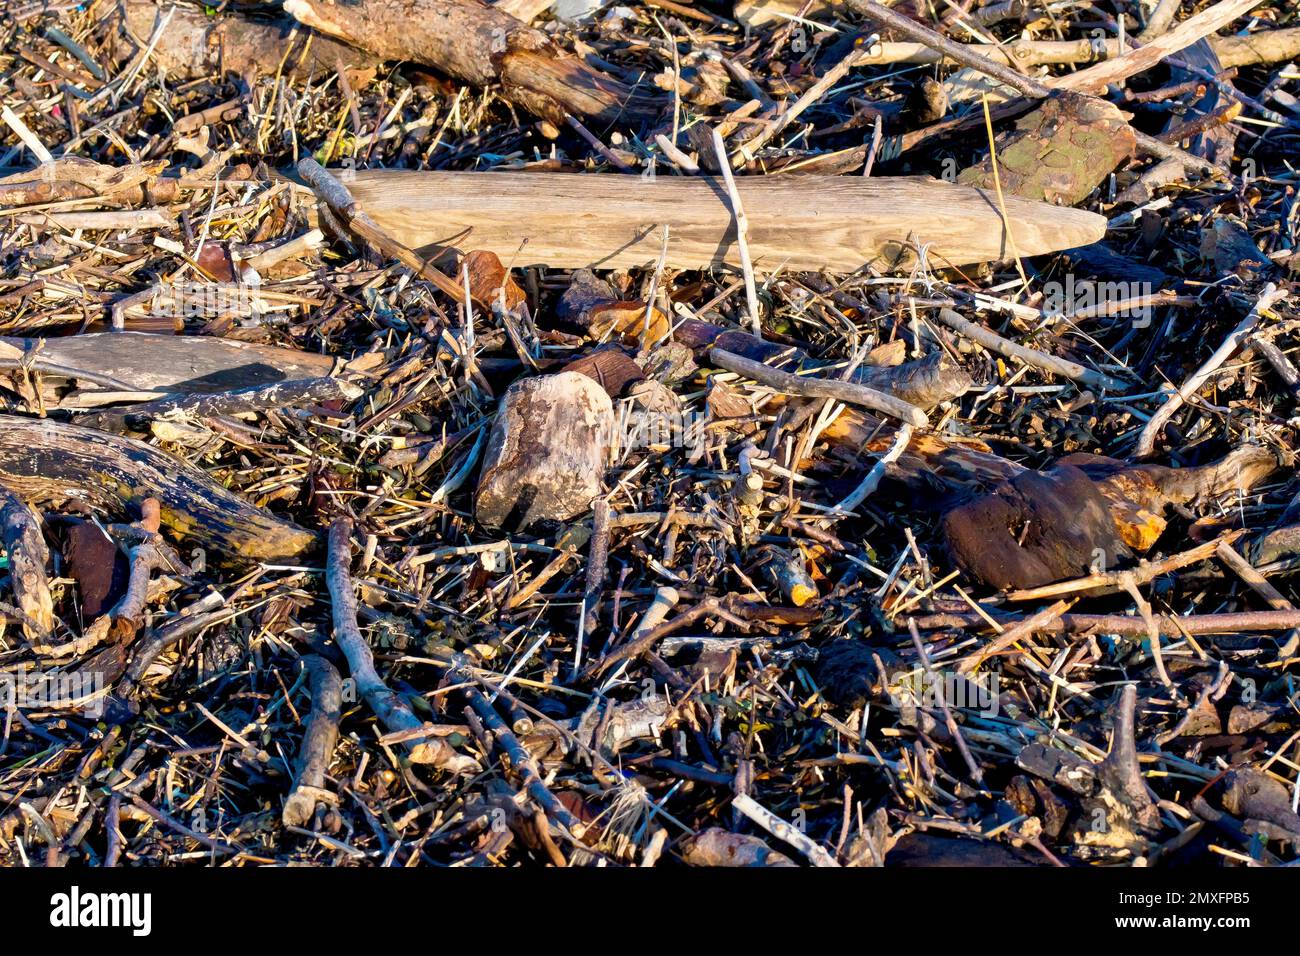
(1059,152)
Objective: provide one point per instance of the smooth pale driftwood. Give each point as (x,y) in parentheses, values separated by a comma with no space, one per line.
(547,452)
(838,223)
(48,462)
(177,364)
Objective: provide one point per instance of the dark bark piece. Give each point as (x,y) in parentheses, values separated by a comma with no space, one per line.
(50,462)
(1229,244)
(1102,261)
(479,44)
(195,45)
(97,565)
(927,849)
(613,368)
(1059,152)
(925,382)
(547,452)
(1035,529)
(1084,514)
(1276,545)
(586,291)
(290,394)
(849,672)
(1060,766)
(1257,796)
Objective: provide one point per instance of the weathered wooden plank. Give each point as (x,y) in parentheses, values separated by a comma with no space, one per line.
(187,364)
(840,223)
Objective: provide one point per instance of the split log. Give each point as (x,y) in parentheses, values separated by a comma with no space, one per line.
(20,531)
(194,45)
(837,223)
(48,462)
(547,452)
(479,44)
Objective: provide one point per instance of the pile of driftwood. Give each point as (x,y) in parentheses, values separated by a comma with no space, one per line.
(437,432)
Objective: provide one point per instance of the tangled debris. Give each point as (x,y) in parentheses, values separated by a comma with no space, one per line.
(796,433)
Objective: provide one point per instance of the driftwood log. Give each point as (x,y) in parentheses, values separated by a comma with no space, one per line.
(480,44)
(547,452)
(193,45)
(49,463)
(143,362)
(837,223)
